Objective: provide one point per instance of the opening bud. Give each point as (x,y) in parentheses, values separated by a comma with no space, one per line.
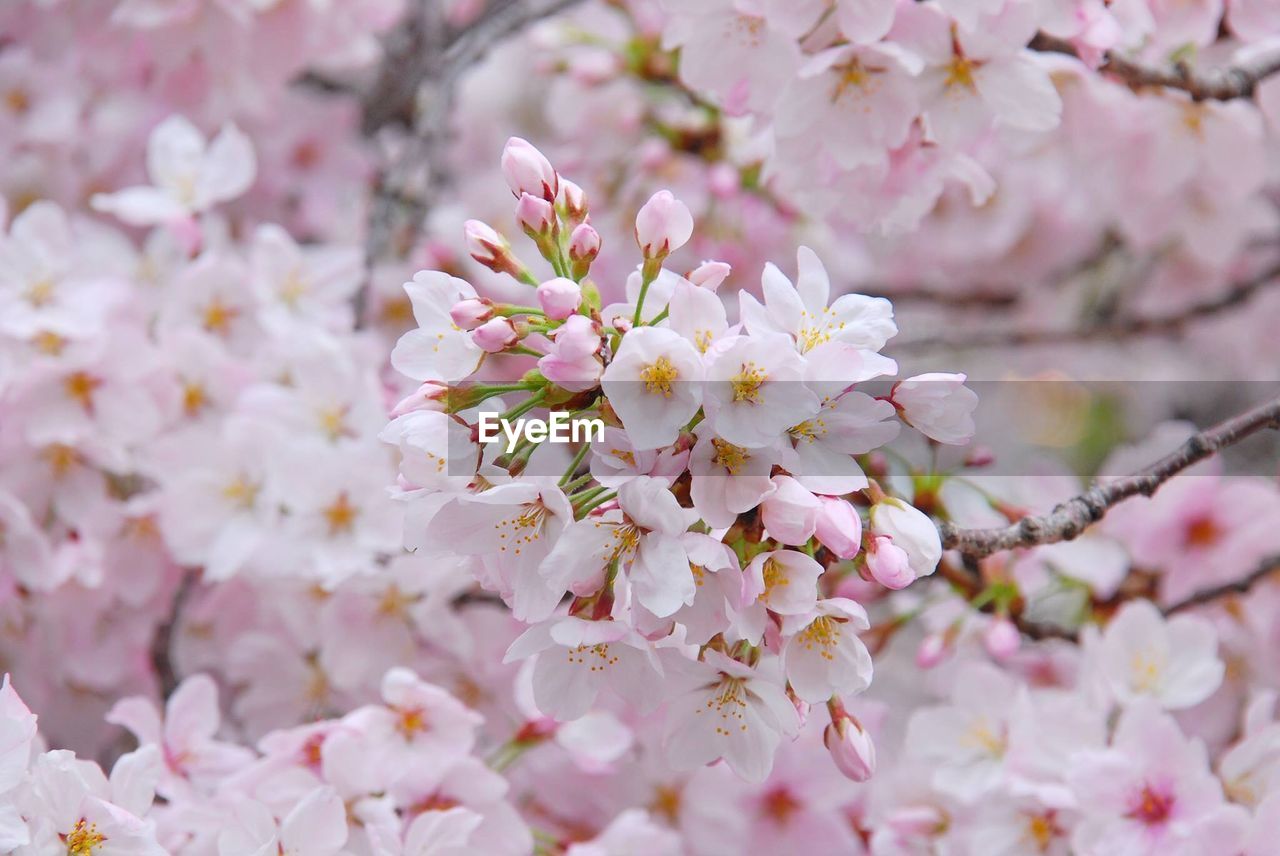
(663,225)
(495,335)
(469,313)
(527,170)
(559,297)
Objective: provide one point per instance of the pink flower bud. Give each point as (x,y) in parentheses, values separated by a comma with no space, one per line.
(888,563)
(469,313)
(663,225)
(839,527)
(851,748)
(584,243)
(537,216)
(932,650)
(571,361)
(1001,638)
(790,513)
(527,170)
(430,396)
(709,275)
(911,531)
(573,201)
(494,335)
(559,297)
(489,248)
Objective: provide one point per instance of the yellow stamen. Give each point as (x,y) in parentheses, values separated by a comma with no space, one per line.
(218,317)
(747,382)
(729,456)
(242,492)
(960,73)
(659,376)
(83,839)
(80,386)
(341,515)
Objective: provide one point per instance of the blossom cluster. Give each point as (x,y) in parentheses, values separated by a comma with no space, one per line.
(1055,165)
(699,545)
(267,621)
(397,778)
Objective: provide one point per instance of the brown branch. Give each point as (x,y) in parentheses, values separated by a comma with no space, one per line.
(1214,84)
(1172,324)
(424,64)
(1265,568)
(1072,517)
(167,677)
(975,299)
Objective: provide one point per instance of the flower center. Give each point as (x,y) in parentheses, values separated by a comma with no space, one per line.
(982,736)
(595,657)
(824,635)
(1203,532)
(83,839)
(729,703)
(341,515)
(960,73)
(242,492)
(747,382)
(218,317)
(1151,806)
(194,398)
(410,722)
(809,431)
(853,75)
(1042,829)
(292,289)
(779,805)
(729,456)
(775,576)
(658,377)
(61,458)
(80,386)
(525,527)
(40,293)
(333,422)
(666,802)
(1145,668)
(48,342)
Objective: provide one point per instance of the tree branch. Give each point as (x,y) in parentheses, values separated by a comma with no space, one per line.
(1215,84)
(1236,295)
(425,62)
(167,677)
(1072,517)
(1265,568)
(976,299)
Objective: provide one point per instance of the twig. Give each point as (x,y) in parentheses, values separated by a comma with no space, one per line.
(1265,568)
(1161,325)
(162,643)
(978,299)
(1215,84)
(1070,518)
(425,62)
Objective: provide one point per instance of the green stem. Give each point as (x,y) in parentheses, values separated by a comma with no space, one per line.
(648,274)
(595,502)
(508,310)
(576,483)
(574,464)
(524,407)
